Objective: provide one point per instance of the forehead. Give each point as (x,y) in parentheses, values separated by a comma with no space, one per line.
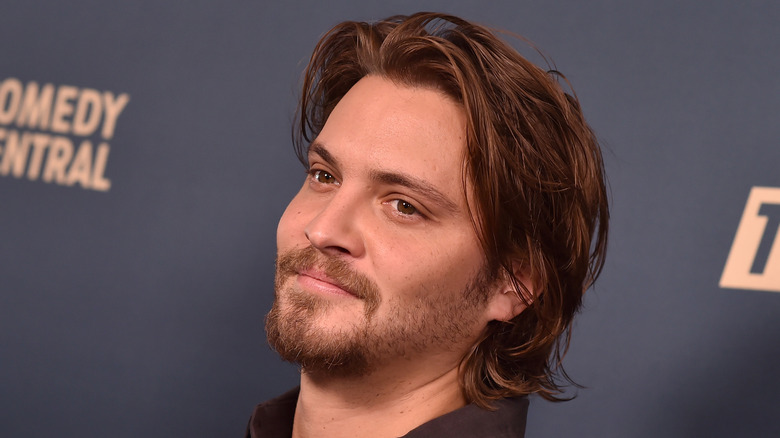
(390,127)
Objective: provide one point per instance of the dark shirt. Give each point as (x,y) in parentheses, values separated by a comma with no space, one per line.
(274,419)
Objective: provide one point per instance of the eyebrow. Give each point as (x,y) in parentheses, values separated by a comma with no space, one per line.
(415,185)
(319,149)
(393,178)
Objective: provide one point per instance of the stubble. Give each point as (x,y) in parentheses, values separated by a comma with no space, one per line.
(418,321)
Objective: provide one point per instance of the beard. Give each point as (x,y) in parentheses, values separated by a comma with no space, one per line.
(415,322)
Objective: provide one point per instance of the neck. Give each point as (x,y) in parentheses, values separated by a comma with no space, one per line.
(377,405)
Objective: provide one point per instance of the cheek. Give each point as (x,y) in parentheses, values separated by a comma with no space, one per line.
(426,267)
(291,225)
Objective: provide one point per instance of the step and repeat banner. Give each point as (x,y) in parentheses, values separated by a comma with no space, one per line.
(145,159)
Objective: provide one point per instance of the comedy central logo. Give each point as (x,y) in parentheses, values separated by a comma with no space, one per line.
(57,134)
(754,259)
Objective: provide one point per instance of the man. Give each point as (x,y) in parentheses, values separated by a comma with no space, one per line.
(453,214)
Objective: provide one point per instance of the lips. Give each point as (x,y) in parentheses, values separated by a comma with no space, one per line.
(320,282)
(328,277)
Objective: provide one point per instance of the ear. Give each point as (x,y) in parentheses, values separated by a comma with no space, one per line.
(507,300)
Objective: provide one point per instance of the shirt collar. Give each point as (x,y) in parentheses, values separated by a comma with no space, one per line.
(274,418)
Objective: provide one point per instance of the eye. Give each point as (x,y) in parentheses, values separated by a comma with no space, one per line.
(323,177)
(404,207)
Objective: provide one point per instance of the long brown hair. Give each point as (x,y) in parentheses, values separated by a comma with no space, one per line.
(533,163)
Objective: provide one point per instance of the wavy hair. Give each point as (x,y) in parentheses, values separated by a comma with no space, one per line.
(535,168)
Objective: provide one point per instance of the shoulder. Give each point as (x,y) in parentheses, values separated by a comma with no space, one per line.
(274,418)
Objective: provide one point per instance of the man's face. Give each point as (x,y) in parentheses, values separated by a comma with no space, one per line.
(378,260)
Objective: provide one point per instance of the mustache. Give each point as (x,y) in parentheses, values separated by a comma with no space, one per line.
(295,261)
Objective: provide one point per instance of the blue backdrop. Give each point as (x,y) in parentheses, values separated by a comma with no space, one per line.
(145,159)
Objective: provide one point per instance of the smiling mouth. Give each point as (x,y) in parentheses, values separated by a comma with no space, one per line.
(318,281)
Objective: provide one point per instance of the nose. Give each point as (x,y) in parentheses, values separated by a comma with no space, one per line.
(336,229)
